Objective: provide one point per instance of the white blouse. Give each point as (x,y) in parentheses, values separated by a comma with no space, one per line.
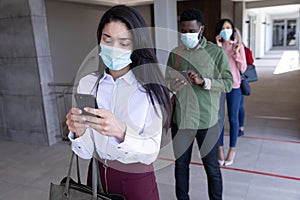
(129,102)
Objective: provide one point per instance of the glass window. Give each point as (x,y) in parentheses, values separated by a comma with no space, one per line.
(291,33)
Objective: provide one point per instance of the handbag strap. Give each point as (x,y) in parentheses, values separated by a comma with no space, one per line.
(78,170)
(96,182)
(96,179)
(67,185)
(243,76)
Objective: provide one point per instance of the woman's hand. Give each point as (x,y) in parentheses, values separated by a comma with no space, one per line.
(218,40)
(194,77)
(75,122)
(235,48)
(106,123)
(177,84)
(177,81)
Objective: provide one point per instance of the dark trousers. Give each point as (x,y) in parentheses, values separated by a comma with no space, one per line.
(133,181)
(222,111)
(207,140)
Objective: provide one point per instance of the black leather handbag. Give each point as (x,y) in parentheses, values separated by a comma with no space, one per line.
(68,189)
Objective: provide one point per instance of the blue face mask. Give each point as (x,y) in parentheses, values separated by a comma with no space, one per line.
(190,40)
(115,58)
(226,34)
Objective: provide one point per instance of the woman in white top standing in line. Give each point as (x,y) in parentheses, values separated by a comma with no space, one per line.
(133,105)
(225,38)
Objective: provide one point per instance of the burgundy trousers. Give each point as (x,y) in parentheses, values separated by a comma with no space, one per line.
(134,181)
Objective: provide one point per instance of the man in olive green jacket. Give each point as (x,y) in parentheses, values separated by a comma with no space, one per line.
(204,74)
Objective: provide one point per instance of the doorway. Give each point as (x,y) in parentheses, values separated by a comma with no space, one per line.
(284,33)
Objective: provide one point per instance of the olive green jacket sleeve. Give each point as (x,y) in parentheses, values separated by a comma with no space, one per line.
(223,79)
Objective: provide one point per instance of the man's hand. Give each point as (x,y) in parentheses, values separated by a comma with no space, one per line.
(195,78)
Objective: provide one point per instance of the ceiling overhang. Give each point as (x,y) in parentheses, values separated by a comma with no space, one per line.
(113,2)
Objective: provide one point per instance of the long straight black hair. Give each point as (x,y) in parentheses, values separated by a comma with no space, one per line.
(144,60)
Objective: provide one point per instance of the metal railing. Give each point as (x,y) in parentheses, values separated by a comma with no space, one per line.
(63,92)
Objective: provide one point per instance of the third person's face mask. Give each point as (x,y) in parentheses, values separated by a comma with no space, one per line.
(115,58)
(190,40)
(226,34)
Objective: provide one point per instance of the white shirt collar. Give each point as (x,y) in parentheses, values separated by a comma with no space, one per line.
(129,77)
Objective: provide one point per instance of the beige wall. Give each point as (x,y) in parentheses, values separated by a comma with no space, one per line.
(227,9)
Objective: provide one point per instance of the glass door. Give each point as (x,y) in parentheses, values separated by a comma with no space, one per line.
(284,33)
(278,33)
(291,33)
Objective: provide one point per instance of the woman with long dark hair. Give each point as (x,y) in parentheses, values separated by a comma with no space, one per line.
(225,38)
(133,107)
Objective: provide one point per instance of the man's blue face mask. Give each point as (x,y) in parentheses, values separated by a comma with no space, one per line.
(190,40)
(115,58)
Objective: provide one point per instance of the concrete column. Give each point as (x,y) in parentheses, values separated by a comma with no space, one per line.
(28,107)
(166,34)
(240,16)
(239,11)
(260,35)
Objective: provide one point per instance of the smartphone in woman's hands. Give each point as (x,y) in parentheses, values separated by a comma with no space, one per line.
(85,100)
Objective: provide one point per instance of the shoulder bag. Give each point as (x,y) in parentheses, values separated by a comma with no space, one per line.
(245,87)
(68,189)
(251,74)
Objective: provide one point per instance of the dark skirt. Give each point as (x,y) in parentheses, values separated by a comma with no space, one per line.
(134,181)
